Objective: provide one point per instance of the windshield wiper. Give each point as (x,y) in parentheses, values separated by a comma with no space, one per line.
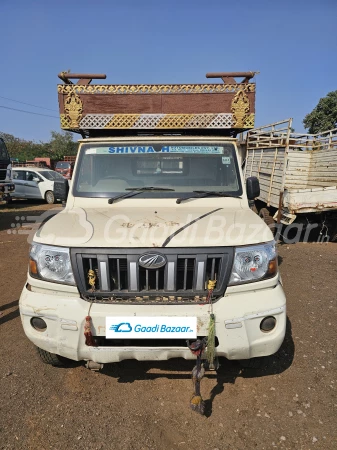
(137,190)
(207,194)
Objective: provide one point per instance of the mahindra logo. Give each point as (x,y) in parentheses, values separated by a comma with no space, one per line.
(152,260)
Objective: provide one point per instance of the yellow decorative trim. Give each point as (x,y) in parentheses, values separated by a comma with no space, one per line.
(64,121)
(175,120)
(73,108)
(157,121)
(154,88)
(123,121)
(240,109)
(249,121)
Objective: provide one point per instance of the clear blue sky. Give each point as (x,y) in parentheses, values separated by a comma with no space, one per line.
(293,43)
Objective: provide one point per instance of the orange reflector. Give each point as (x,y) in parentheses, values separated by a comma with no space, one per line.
(33,267)
(272,268)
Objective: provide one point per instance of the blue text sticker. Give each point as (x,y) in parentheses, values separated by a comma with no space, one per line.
(186,149)
(195,149)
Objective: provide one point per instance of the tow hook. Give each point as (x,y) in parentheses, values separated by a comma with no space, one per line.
(94,366)
(197,347)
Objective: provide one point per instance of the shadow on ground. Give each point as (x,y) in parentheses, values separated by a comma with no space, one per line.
(6,317)
(130,371)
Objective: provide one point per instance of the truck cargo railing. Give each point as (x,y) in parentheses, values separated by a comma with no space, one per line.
(268,136)
(288,163)
(279,134)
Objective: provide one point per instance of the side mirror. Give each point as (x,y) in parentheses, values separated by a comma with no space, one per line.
(61,189)
(36,179)
(252,187)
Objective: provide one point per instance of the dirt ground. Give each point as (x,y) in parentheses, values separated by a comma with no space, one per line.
(289,404)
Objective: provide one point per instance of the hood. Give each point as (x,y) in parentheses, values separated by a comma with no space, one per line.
(154,227)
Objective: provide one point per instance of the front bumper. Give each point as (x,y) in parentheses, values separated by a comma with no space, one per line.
(238,317)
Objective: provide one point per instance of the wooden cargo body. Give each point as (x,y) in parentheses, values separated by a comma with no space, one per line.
(297,172)
(94,109)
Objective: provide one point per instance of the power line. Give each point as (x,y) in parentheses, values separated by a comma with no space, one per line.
(29,112)
(28,104)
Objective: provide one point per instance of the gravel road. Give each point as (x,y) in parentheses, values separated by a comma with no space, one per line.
(289,404)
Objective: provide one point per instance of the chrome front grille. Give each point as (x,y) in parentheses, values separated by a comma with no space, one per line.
(119,275)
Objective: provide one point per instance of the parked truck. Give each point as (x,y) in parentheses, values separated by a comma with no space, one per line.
(6,184)
(157,251)
(297,175)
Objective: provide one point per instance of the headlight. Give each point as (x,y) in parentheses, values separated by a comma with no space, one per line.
(51,263)
(254,263)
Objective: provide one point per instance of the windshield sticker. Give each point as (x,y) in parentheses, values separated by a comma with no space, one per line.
(190,149)
(202,150)
(226,160)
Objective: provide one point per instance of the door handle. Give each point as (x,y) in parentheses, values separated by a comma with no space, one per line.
(25,184)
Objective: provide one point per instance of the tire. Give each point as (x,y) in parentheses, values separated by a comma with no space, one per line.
(49,197)
(267,218)
(51,358)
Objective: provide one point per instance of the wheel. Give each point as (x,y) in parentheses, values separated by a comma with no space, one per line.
(267,218)
(51,358)
(49,197)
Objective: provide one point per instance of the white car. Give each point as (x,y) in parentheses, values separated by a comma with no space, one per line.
(35,183)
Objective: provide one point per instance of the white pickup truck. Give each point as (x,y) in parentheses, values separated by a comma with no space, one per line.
(156,236)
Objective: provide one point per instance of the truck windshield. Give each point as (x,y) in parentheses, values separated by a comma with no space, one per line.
(104,171)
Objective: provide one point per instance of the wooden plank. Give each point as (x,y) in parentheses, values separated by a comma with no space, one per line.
(260,162)
(277,182)
(252,162)
(267,177)
(324,158)
(308,157)
(298,157)
(272,177)
(312,174)
(277,187)
(299,184)
(267,171)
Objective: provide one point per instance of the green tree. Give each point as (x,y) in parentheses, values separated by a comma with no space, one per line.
(22,149)
(62,144)
(324,116)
